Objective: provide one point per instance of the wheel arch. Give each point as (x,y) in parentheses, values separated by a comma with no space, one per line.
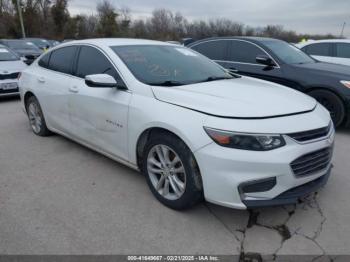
(144,137)
(26,97)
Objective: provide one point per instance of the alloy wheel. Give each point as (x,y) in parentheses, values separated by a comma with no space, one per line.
(166,172)
(35,118)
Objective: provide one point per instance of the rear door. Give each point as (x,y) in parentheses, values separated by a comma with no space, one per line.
(99,115)
(53,78)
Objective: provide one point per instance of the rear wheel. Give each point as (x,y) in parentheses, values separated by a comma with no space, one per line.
(333,103)
(36,117)
(171,172)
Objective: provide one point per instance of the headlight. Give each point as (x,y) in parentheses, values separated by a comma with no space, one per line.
(256,142)
(346,83)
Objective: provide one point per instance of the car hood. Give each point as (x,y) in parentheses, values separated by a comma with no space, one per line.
(326,68)
(237,98)
(7,67)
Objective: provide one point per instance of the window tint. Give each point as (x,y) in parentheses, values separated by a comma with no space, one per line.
(215,50)
(61,59)
(44,61)
(244,52)
(343,50)
(321,49)
(92,61)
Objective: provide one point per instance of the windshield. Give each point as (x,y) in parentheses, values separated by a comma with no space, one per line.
(7,55)
(19,44)
(287,53)
(169,65)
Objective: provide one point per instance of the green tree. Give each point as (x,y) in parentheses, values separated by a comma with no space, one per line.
(107,24)
(60,16)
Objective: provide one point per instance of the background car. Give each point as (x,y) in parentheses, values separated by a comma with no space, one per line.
(332,50)
(277,61)
(41,43)
(10,67)
(25,49)
(193,129)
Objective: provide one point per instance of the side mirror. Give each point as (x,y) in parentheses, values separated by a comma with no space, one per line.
(100,80)
(265,60)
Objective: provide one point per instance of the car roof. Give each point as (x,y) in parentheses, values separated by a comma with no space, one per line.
(245,38)
(115,42)
(309,42)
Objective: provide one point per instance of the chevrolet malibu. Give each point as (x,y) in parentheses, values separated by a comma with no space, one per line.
(194,130)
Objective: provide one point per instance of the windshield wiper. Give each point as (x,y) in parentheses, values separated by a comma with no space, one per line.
(215,78)
(167,83)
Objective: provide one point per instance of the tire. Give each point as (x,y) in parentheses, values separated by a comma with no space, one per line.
(36,117)
(332,103)
(183,174)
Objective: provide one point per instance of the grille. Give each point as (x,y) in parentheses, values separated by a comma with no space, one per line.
(311,134)
(312,163)
(9,76)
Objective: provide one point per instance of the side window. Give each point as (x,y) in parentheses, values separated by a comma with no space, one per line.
(215,50)
(343,50)
(44,61)
(244,52)
(92,61)
(321,49)
(62,58)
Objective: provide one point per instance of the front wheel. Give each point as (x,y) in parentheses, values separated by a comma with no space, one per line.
(171,172)
(332,103)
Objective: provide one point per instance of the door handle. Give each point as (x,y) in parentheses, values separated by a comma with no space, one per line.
(73,89)
(41,79)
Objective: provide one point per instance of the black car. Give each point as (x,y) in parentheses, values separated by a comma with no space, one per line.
(277,61)
(24,49)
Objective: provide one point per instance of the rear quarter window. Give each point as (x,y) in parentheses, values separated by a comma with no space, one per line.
(61,59)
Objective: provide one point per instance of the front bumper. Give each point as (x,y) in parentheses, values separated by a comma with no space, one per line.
(291,196)
(225,169)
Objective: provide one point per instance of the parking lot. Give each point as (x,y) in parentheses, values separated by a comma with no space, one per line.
(57,197)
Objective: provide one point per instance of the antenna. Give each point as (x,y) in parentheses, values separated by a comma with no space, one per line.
(342,30)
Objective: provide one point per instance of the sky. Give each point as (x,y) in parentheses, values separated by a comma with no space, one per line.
(303,16)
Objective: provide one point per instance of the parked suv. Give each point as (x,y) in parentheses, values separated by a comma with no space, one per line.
(192,129)
(333,50)
(282,63)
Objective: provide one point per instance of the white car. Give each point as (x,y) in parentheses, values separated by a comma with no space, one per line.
(10,67)
(336,51)
(194,130)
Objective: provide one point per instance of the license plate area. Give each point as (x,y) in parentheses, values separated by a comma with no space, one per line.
(8,86)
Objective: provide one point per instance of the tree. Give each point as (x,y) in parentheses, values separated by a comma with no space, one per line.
(60,16)
(107,24)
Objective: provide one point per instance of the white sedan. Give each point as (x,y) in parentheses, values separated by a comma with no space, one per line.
(194,130)
(10,68)
(336,51)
